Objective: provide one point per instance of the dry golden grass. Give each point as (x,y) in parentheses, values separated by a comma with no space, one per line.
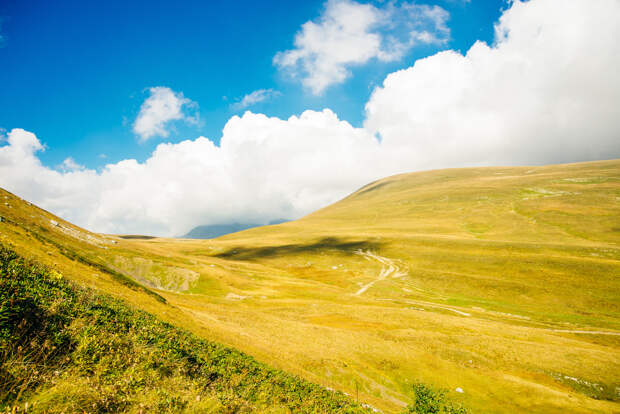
(501,267)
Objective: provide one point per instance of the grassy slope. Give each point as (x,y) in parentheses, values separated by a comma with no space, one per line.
(66,349)
(495,261)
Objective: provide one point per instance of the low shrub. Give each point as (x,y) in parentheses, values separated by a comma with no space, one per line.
(432,401)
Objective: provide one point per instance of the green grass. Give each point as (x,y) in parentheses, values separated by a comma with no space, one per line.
(66,349)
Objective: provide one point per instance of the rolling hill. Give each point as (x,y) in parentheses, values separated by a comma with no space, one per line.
(499,284)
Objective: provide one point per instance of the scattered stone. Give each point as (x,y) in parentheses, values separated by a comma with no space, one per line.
(234,296)
(370,407)
(459,390)
(53,222)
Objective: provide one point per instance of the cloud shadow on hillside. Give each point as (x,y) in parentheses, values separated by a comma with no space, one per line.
(326,244)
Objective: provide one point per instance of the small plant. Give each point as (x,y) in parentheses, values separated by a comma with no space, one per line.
(431,401)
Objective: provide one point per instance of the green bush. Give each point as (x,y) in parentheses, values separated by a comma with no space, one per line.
(432,401)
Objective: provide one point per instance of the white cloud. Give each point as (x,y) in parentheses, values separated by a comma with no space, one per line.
(350,33)
(264,169)
(69,164)
(255,97)
(546,91)
(161,108)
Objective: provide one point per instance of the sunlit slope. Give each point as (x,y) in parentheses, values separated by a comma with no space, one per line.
(501,281)
(545,238)
(75,349)
(68,349)
(568,204)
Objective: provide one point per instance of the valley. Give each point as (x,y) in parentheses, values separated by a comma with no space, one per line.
(500,285)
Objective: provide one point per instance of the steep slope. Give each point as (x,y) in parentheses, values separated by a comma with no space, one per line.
(499,284)
(66,349)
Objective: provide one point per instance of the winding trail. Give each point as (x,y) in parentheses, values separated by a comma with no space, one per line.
(390,268)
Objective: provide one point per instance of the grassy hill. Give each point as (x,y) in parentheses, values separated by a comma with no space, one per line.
(499,284)
(66,349)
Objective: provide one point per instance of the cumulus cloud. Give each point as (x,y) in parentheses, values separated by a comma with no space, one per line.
(545,91)
(69,164)
(349,33)
(255,97)
(264,169)
(161,108)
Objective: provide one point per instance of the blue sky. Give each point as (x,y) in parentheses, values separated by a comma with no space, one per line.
(76,73)
(102,106)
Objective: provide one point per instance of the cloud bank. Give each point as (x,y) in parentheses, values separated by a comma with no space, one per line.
(264,169)
(545,91)
(158,111)
(349,33)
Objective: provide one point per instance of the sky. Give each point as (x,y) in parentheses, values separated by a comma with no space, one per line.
(153,118)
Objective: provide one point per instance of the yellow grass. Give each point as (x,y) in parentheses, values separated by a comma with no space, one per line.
(483,279)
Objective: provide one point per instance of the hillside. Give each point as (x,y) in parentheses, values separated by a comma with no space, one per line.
(499,284)
(66,349)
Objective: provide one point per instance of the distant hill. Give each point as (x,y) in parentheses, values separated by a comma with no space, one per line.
(216,230)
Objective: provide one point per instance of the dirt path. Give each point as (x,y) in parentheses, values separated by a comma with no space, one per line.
(390,268)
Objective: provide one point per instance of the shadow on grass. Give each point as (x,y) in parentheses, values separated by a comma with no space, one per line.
(136,237)
(325,244)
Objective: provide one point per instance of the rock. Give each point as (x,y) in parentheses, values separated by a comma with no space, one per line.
(53,222)
(459,390)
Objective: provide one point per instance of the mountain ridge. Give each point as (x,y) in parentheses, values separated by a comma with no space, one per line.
(211,231)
